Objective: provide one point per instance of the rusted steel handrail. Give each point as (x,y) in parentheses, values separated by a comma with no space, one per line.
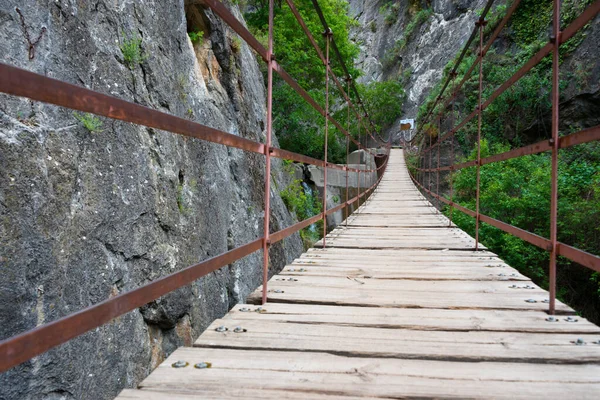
(245,34)
(467,75)
(585,17)
(573,139)
(19,82)
(342,64)
(327,65)
(551,244)
(456,65)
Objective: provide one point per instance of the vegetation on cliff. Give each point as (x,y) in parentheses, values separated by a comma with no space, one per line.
(517,191)
(297,125)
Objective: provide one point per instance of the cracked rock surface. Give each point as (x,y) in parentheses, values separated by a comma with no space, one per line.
(86,216)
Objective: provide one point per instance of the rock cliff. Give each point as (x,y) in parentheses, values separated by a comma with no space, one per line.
(88,213)
(420,60)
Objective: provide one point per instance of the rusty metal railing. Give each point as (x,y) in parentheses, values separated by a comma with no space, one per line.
(554,144)
(19,82)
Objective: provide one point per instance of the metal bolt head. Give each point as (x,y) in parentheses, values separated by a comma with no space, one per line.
(579,342)
(571,319)
(203,365)
(552,319)
(260,310)
(596,342)
(546,301)
(512,287)
(221,329)
(239,329)
(291,270)
(245,309)
(180,364)
(531,301)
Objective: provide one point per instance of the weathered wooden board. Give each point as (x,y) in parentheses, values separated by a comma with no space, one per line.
(412,318)
(266,374)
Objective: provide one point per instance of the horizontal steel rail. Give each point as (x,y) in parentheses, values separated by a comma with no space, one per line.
(587,15)
(579,256)
(553,145)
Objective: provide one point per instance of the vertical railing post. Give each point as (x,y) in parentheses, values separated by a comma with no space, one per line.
(438,145)
(554,142)
(347,208)
(480,23)
(266,240)
(327,36)
(358,171)
(451,162)
(430,150)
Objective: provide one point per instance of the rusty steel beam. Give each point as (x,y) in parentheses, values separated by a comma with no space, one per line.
(584,258)
(529,237)
(583,136)
(589,13)
(27,345)
(19,82)
(555,39)
(457,63)
(267,193)
(327,34)
(573,139)
(481,24)
(489,43)
(219,8)
(576,255)
(284,233)
(288,155)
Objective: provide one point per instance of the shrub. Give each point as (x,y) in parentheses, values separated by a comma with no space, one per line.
(92,123)
(132,51)
(196,37)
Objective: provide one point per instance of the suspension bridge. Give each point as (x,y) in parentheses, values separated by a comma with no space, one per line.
(396,302)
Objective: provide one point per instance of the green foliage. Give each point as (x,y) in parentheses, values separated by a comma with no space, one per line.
(373,26)
(298,126)
(91,122)
(304,206)
(390,12)
(530,20)
(384,99)
(131,48)
(196,37)
(294,50)
(236,44)
(416,21)
(517,191)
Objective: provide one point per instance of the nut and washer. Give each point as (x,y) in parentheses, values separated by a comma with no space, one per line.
(180,364)
(221,329)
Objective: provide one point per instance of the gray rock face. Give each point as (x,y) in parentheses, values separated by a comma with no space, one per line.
(427,51)
(86,216)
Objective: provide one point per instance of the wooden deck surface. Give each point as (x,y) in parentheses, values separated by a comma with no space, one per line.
(398,305)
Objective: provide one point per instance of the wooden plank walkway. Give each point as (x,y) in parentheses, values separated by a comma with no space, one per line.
(397,305)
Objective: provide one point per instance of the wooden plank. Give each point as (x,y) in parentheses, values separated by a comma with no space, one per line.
(410,318)
(288,374)
(473,346)
(360,296)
